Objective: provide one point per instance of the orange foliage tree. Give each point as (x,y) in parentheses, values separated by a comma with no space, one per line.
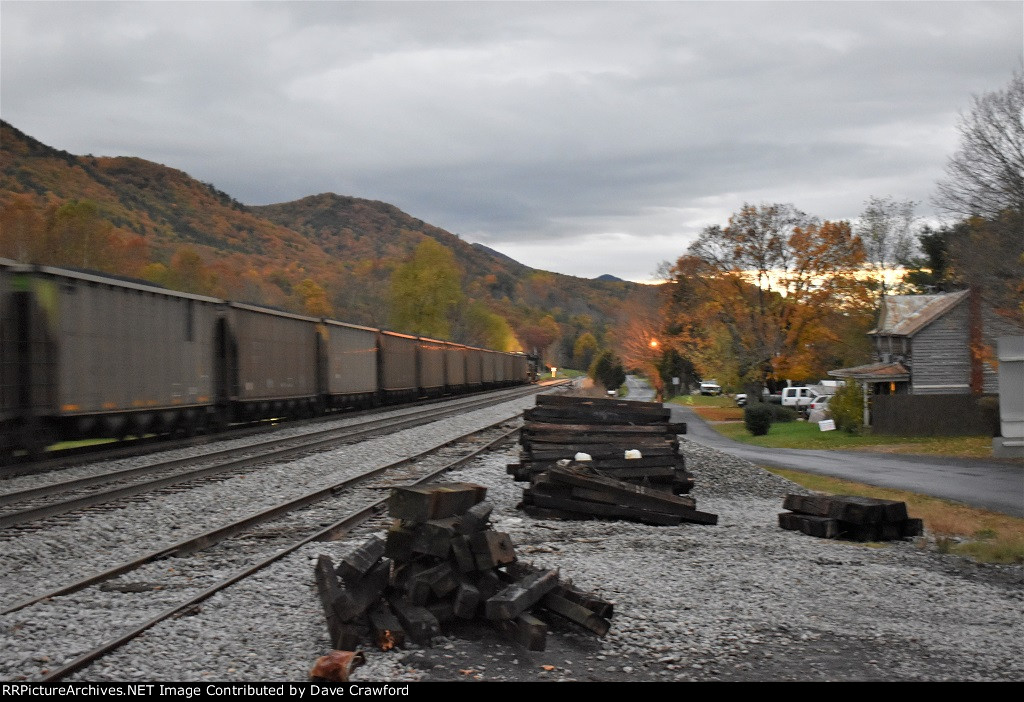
(22,230)
(780,286)
(74,233)
(312,299)
(537,337)
(640,338)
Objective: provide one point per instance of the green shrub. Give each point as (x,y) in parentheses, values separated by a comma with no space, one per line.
(607,370)
(783,414)
(847,408)
(758,418)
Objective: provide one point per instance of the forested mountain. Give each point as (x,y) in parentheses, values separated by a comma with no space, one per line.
(322,254)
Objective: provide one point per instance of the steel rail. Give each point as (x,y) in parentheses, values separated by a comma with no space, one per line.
(213,536)
(327,533)
(330,437)
(43,490)
(57,460)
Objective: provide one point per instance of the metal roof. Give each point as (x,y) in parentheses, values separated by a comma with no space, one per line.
(905,315)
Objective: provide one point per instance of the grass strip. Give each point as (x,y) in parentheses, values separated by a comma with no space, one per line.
(807,435)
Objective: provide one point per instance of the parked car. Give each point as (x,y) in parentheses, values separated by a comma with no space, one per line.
(741,400)
(710,388)
(820,402)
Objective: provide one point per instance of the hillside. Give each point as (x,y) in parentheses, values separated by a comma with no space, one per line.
(323,253)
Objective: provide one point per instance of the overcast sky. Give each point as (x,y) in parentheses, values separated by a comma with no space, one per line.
(580,137)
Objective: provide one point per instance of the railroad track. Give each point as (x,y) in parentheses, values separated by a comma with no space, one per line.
(140,593)
(62,459)
(25,508)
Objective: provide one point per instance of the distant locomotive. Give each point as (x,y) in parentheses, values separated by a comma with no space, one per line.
(83,355)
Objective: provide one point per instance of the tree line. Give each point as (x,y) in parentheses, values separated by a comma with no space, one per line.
(772,293)
(775,293)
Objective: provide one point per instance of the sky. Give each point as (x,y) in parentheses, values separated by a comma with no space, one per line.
(579,137)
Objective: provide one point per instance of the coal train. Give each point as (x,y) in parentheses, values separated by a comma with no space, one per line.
(84,355)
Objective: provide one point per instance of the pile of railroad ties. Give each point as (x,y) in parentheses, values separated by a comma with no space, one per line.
(589,458)
(849,517)
(441,564)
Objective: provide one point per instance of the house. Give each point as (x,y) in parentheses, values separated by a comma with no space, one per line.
(922,345)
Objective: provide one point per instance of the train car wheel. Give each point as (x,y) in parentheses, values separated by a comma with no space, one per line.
(36,439)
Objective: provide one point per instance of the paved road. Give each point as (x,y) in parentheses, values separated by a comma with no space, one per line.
(638,389)
(988,484)
(991,485)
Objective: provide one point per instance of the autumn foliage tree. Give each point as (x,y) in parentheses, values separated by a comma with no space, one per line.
(311,299)
(22,230)
(775,283)
(584,349)
(79,236)
(482,327)
(538,336)
(639,338)
(74,234)
(426,290)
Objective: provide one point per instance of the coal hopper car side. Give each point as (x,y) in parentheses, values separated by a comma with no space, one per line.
(399,375)
(431,366)
(85,355)
(9,414)
(455,367)
(104,357)
(271,362)
(474,368)
(351,365)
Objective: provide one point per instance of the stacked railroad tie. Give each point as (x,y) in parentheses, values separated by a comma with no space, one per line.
(849,517)
(442,564)
(631,467)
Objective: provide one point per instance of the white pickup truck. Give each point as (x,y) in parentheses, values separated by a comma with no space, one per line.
(798,398)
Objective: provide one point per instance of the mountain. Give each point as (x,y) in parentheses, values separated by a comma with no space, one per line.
(608,277)
(326,252)
(500,256)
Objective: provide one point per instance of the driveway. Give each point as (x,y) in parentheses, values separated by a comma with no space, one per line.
(638,389)
(977,482)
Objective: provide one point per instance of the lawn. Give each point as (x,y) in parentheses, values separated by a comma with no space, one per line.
(713,408)
(955,528)
(806,435)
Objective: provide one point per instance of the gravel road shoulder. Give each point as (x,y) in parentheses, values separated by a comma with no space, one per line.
(743,600)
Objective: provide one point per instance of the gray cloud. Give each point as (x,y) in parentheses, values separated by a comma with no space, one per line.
(602,136)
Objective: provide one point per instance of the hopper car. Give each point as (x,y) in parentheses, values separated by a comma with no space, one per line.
(87,355)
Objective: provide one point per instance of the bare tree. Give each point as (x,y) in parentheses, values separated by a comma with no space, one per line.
(885,227)
(986,176)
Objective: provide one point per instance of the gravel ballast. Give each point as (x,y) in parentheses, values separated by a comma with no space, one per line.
(85,545)
(743,600)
